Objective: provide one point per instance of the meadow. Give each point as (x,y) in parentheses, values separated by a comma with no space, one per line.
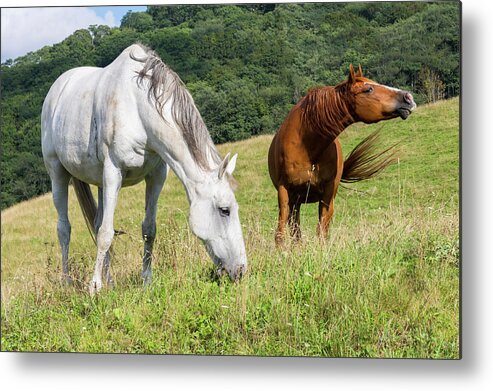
(385,284)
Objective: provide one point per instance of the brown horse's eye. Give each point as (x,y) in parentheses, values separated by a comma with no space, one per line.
(369,90)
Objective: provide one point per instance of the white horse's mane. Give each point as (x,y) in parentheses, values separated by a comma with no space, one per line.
(164,84)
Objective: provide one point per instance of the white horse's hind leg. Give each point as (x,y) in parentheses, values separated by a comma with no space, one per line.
(97,224)
(154,184)
(112,180)
(59,184)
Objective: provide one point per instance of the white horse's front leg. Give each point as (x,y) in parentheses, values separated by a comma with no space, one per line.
(97,224)
(154,184)
(112,181)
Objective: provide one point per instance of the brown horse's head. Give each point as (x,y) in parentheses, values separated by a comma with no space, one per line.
(372,102)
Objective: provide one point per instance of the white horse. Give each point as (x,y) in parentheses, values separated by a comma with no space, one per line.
(132,120)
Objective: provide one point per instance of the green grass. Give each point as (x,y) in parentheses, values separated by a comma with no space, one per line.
(386,283)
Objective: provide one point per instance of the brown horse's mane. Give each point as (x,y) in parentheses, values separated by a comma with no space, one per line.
(325,110)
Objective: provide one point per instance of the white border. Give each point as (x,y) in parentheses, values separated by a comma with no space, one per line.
(473,372)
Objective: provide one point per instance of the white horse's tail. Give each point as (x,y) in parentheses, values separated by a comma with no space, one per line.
(87,204)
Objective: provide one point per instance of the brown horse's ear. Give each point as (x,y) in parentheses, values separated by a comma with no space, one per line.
(352,76)
(360,71)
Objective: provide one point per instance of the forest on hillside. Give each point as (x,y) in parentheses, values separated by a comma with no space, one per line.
(245,65)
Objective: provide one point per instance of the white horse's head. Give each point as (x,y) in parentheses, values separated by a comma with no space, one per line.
(214,219)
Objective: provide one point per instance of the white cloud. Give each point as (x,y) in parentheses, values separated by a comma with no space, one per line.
(28,29)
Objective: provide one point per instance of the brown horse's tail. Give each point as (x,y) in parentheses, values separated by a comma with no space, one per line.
(364,163)
(87,204)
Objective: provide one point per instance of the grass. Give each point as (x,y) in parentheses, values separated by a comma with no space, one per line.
(386,284)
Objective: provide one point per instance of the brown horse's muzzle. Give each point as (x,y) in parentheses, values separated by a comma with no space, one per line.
(406,104)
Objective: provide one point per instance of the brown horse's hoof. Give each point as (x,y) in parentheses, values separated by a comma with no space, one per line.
(67,281)
(279,239)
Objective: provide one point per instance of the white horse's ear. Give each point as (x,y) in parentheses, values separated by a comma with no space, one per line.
(232,164)
(227,165)
(223,166)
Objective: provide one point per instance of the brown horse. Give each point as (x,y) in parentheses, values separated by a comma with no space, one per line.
(305,158)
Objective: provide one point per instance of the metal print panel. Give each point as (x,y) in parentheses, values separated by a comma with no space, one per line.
(235,179)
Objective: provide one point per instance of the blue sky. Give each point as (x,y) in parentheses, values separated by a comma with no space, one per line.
(29,29)
(118,12)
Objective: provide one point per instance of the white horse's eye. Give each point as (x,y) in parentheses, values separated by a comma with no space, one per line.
(224,212)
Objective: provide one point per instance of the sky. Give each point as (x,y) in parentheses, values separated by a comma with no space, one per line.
(29,29)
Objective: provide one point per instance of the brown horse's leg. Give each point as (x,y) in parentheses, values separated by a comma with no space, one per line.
(325,211)
(294,220)
(283,201)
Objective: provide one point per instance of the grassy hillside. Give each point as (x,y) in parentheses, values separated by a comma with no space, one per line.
(385,285)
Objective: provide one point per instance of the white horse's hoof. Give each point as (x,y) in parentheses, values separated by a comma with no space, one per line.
(95,287)
(147,277)
(109,281)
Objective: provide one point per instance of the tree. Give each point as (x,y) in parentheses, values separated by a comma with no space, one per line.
(98,32)
(173,15)
(139,21)
(113,44)
(431,85)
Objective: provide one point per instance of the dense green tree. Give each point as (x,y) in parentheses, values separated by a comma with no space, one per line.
(113,44)
(98,32)
(140,21)
(429,39)
(174,15)
(176,48)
